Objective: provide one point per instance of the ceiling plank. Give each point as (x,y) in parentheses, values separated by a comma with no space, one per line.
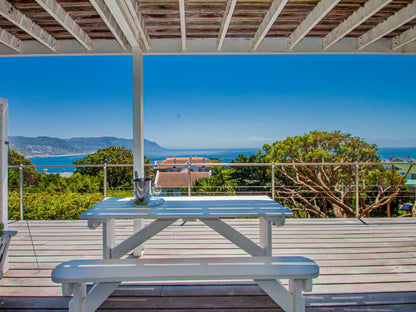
(105,14)
(268,21)
(400,18)
(183,23)
(62,17)
(16,17)
(353,21)
(10,40)
(137,17)
(228,14)
(310,21)
(404,38)
(121,14)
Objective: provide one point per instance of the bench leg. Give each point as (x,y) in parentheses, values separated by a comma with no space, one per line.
(89,302)
(76,304)
(291,300)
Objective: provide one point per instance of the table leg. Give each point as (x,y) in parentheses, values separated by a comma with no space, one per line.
(266,236)
(108,238)
(138,225)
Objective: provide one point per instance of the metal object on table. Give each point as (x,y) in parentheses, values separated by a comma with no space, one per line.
(144,189)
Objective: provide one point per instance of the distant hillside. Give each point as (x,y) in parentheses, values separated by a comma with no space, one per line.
(54,146)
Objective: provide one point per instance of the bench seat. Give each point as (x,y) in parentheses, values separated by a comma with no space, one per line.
(107,274)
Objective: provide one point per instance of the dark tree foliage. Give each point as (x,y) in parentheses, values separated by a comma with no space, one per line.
(30,175)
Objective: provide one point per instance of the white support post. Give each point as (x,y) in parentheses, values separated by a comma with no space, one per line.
(228,14)
(4,149)
(16,17)
(310,21)
(109,238)
(268,21)
(138,135)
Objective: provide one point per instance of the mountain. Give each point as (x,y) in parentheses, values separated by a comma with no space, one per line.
(29,146)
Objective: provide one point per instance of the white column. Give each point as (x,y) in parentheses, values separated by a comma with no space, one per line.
(4,161)
(138,136)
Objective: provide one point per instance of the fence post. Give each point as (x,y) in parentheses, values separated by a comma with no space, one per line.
(357,191)
(21,190)
(273,186)
(189,179)
(105,179)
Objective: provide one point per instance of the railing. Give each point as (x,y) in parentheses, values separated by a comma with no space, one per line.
(273,189)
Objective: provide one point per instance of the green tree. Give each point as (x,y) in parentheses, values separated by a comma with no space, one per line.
(329,190)
(30,175)
(117,177)
(220,182)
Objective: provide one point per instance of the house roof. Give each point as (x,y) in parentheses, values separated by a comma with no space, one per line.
(42,27)
(178,179)
(180,161)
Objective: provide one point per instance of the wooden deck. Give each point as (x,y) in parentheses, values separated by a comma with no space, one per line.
(365,266)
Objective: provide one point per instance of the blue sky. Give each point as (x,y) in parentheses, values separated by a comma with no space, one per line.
(214,101)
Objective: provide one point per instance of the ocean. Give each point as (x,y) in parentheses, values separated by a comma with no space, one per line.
(224,154)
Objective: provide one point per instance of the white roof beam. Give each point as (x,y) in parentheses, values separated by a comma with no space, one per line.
(121,14)
(404,38)
(62,17)
(16,17)
(310,21)
(137,17)
(228,14)
(105,14)
(393,22)
(183,23)
(10,40)
(353,21)
(268,21)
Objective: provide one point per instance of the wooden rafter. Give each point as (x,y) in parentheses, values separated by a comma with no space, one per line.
(19,19)
(183,23)
(10,40)
(404,38)
(137,17)
(228,14)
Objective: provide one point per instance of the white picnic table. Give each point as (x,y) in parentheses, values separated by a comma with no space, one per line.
(208,209)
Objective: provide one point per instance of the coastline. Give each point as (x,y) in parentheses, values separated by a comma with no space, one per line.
(47,156)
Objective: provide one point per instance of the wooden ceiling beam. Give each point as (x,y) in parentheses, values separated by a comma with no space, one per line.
(121,14)
(62,17)
(353,21)
(228,14)
(10,40)
(183,23)
(400,18)
(310,21)
(107,17)
(16,17)
(268,21)
(404,38)
(137,17)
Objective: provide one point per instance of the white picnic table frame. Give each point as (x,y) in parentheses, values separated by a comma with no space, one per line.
(208,209)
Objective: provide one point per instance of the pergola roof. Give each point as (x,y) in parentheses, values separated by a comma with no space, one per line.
(42,27)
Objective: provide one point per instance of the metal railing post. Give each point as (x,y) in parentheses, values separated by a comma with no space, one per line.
(357,191)
(273,186)
(105,180)
(189,179)
(21,190)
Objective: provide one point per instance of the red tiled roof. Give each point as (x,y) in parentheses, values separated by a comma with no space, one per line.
(178,179)
(180,161)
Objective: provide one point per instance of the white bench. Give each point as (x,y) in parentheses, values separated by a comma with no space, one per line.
(108,274)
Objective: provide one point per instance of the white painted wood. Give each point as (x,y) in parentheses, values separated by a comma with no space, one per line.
(393,22)
(140,237)
(133,7)
(228,14)
(15,16)
(108,238)
(121,14)
(183,23)
(62,17)
(4,152)
(138,224)
(268,21)
(76,304)
(277,292)
(404,38)
(298,300)
(10,40)
(353,21)
(234,236)
(310,21)
(266,236)
(98,294)
(138,120)
(107,17)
